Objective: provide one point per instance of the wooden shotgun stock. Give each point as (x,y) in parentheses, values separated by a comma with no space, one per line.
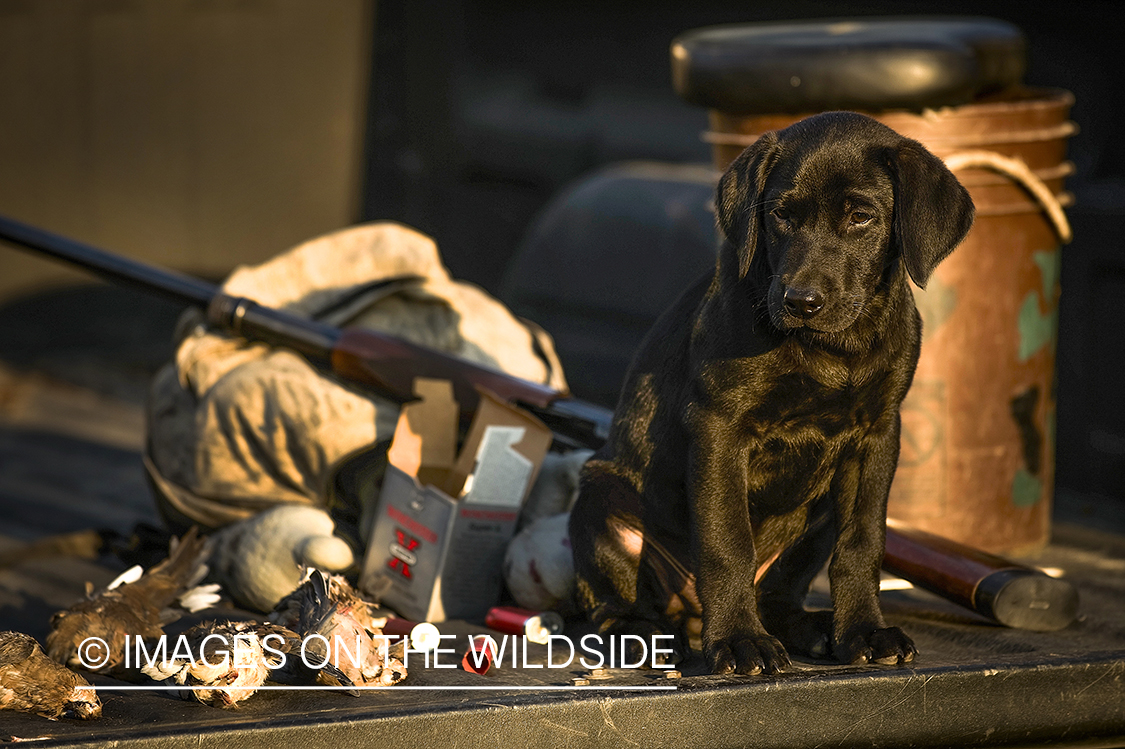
(994,587)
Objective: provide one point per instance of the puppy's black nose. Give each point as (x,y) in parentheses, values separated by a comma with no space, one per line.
(803,303)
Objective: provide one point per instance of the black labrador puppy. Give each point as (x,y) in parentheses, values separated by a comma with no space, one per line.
(758,430)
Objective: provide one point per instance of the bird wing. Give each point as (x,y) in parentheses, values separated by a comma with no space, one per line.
(16,647)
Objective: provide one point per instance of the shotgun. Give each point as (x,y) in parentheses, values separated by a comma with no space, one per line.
(1000,590)
(383,363)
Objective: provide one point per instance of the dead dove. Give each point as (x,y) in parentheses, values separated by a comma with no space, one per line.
(30,682)
(136,604)
(339,626)
(223,663)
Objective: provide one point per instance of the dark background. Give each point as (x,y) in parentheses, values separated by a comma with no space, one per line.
(482,111)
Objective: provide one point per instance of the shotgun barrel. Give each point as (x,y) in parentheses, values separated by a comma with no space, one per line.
(169,284)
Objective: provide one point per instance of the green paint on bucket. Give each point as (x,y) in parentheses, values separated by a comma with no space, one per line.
(1048,262)
(1037,329)
(1026,489)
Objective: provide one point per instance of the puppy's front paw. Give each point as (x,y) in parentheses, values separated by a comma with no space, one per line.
(747,653)
(889,646)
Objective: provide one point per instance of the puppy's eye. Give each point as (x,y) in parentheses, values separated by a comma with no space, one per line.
(859,218)
(781,214)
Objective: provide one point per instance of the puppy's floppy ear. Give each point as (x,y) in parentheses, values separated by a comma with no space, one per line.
(932,211)
(738,199)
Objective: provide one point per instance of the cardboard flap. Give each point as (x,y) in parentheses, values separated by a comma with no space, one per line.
(501,473)
(493,413)
(425,441)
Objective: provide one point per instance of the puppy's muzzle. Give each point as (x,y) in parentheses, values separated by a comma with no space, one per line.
(803,303)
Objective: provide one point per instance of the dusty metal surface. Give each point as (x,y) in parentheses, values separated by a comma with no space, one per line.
(973,685)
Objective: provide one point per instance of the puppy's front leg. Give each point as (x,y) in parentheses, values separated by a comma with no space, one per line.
(734,640)
(860,633)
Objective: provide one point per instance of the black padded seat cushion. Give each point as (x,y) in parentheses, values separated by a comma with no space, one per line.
(867,64)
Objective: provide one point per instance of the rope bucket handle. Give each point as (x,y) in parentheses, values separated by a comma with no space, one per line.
(1018,171)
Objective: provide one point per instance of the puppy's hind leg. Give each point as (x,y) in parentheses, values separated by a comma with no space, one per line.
(616,582)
